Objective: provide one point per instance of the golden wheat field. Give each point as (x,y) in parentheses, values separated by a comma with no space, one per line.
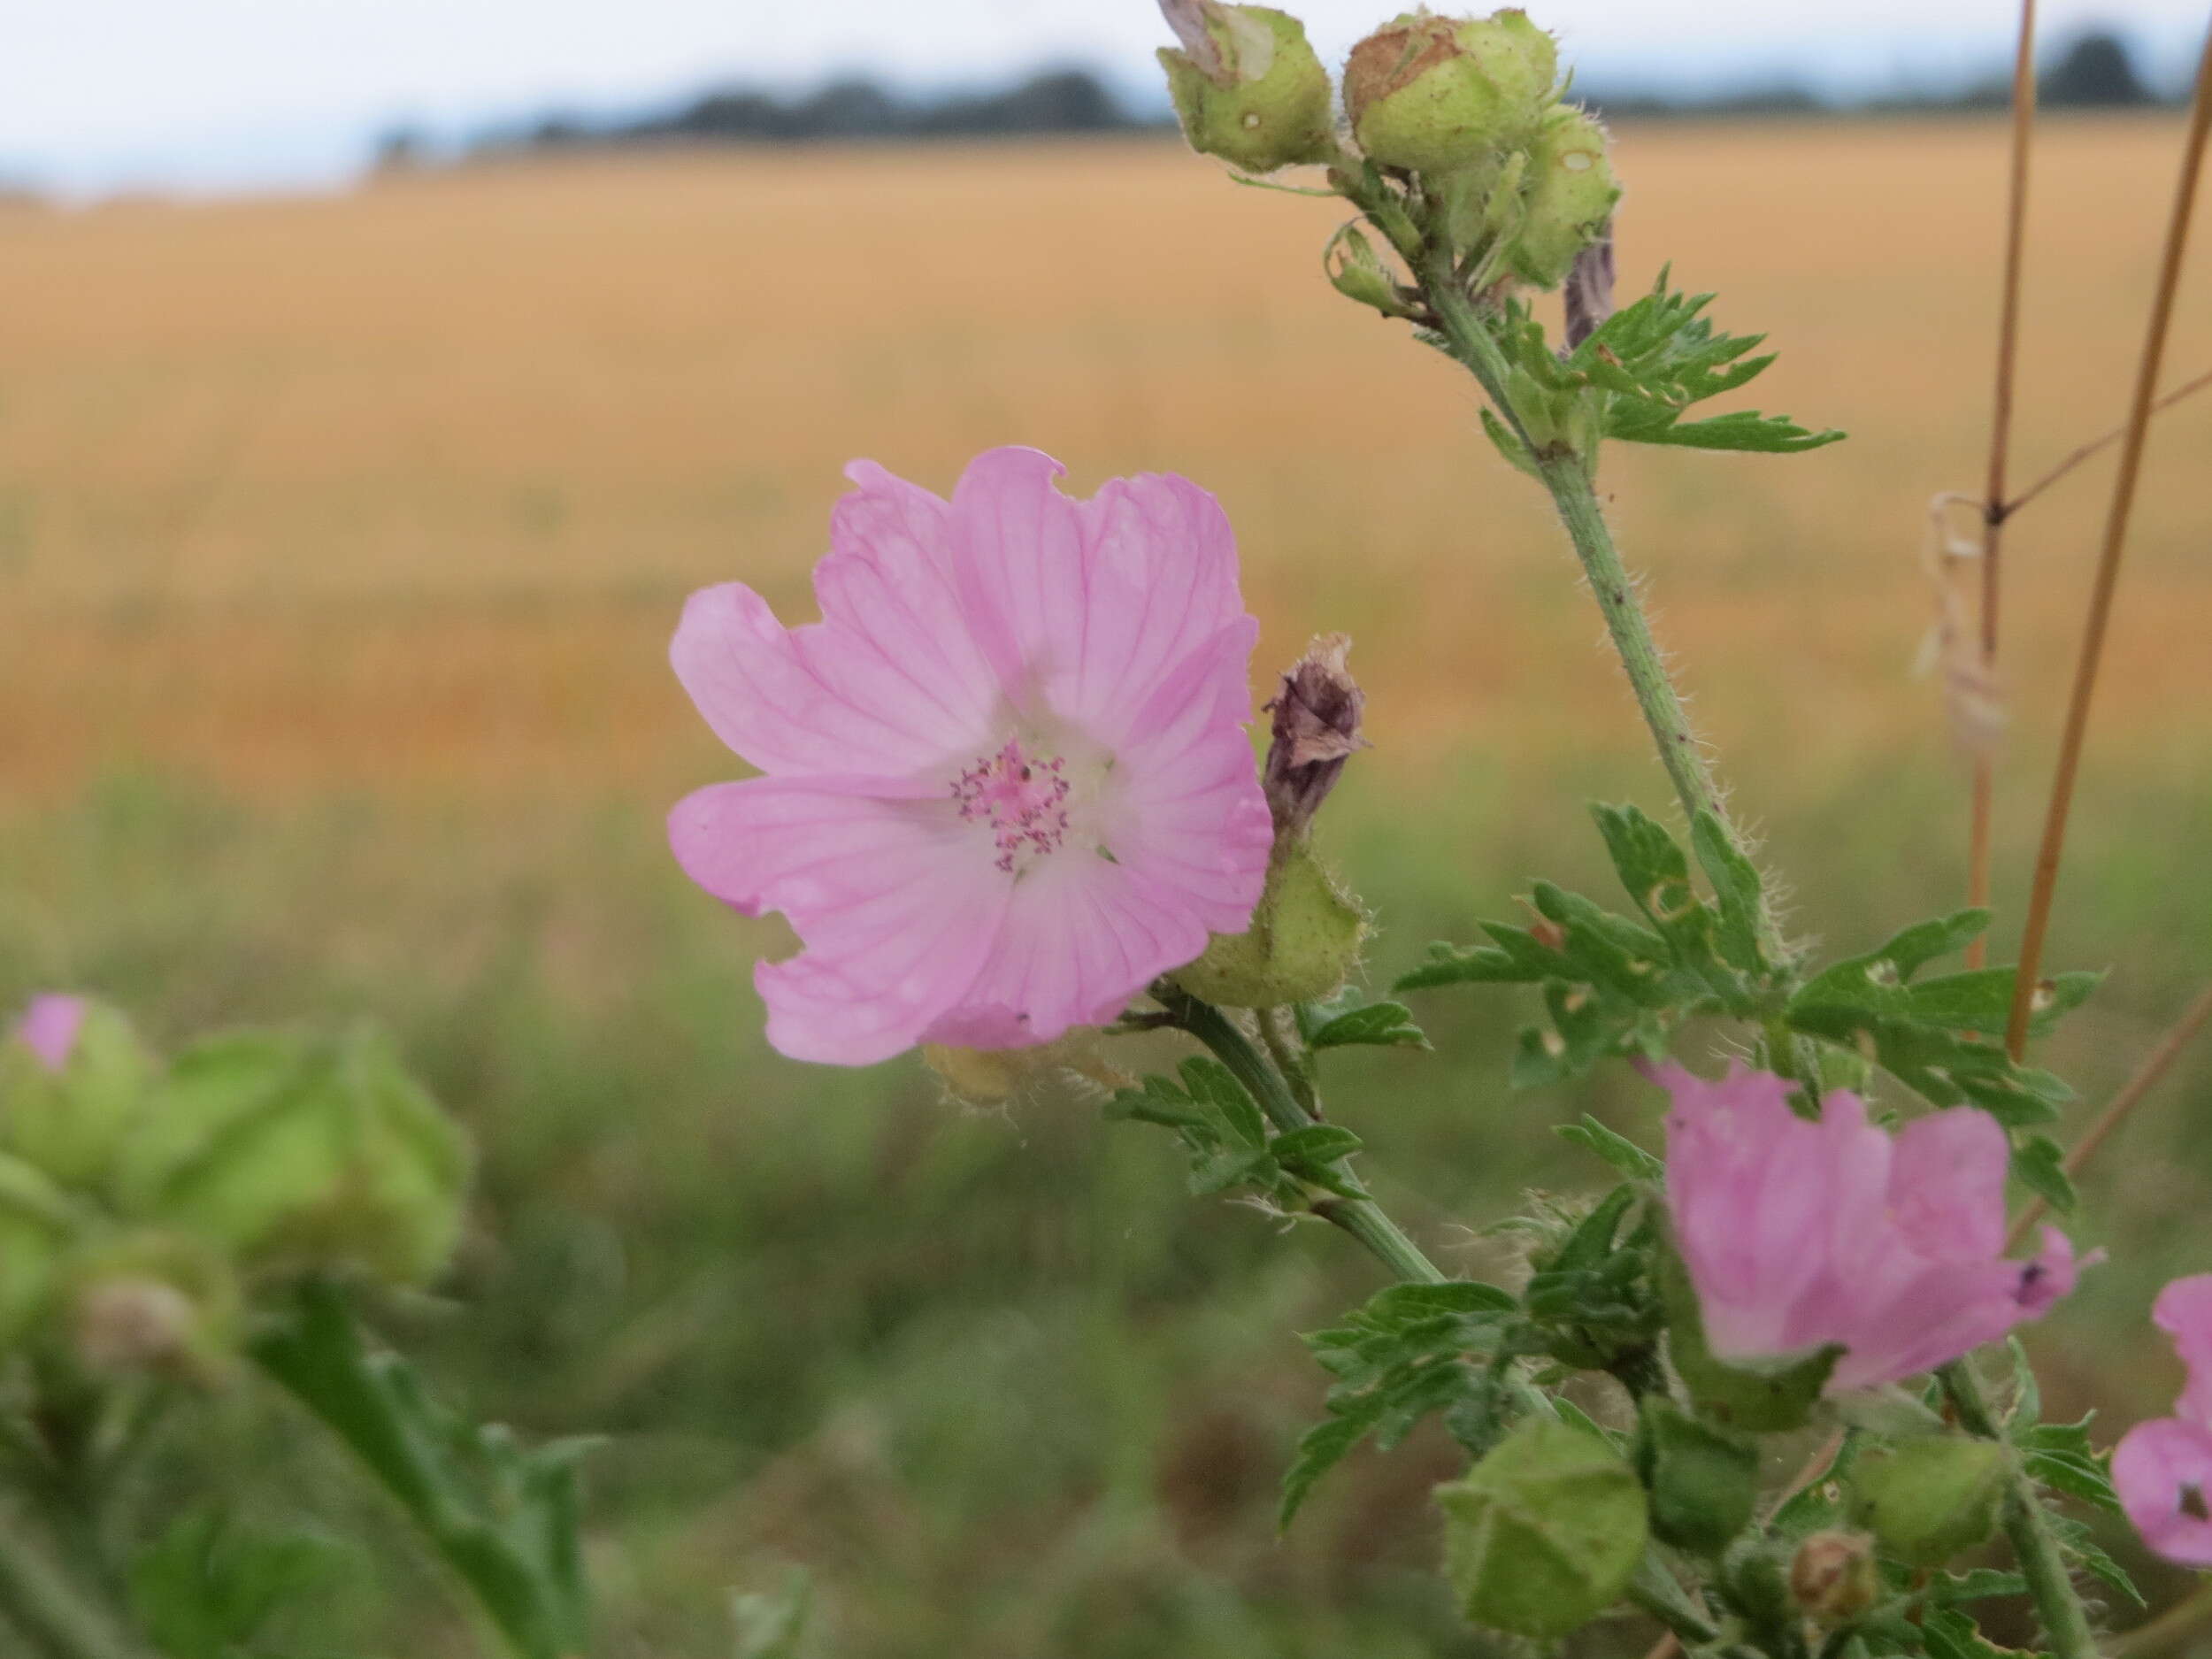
(402,485)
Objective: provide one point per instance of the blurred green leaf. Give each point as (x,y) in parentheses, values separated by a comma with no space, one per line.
(1383,1025)
(503,1517)
(207,1585)
(1623,1154)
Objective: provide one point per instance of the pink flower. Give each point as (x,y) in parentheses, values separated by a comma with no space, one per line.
(1007,777)
(1800,1234)
(2162,1469)
(50,1027)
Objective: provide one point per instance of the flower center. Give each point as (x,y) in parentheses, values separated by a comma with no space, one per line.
(1021,798)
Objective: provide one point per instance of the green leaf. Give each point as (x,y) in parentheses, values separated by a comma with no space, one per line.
(1623,1154)
(1409,1351)
(1211,1084)
(206,1586)
(503,1517)
(1737,890)
(1316,1143)
(2039,1163)
(2081,1547)
(1383,1025)
(2060,1456)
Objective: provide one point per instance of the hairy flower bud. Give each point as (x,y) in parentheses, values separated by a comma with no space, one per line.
(1432,94)
(72,1082)
(1247,85)
(1544,1533)
(160,1304)
(36,1221)
(1316,731)
(1569,195)
(304,1154)
(1303,942)
(1832,1577)
(1928,1499)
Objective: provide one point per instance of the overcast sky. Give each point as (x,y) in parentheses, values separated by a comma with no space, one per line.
(97,94)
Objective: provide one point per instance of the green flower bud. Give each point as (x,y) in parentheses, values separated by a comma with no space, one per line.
(1569,195)
(1704,1480)
(1544,1533)
(1303,945)
(70,1119)
(37,1222)
(1834,1578)
(304,1154)
(1247,86)
(1928,1499)
(1430,94)
(1356,272)
(159,1304)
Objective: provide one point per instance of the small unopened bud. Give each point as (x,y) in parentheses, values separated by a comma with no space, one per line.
(1247,85)
(1928,1499)
(132,1324)
(1316,731)
(1431,94)
(1545,1532)
(1570,196)
(1832,1577)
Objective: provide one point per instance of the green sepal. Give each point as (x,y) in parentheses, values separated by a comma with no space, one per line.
(1767,1398)
(1703,1478)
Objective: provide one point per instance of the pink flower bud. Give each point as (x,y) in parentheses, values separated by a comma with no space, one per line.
(1800,1235)
(50,1027)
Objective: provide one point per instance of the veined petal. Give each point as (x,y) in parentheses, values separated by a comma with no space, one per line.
(894,901)
(2163,1471)
(1082,935)
(821,700)
(1946,1186)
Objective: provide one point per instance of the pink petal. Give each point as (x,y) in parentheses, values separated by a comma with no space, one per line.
(2183,1312)
(894,901)
(1193,819)
(50,1027)
(1082,936)
(2158,1467)
(1948,1184)
(1088,606)
(820,700)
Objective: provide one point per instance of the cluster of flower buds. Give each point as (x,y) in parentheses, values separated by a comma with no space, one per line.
(142,1204)
(1460,119)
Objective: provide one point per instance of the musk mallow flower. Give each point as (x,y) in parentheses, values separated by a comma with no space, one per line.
(1006,780)
(2163,1469)
(49,1025)
(1799,1235)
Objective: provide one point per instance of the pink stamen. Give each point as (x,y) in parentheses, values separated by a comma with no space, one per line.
(1023,801)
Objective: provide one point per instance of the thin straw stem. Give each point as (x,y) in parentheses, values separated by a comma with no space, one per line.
(2091,660)
(2116,1109)
(2097,446)
(1993,508)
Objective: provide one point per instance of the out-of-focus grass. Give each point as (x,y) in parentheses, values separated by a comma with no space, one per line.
(338,543)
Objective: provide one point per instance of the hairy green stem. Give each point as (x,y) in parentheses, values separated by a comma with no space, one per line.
(1359,1214)
(38,1599)
(2034,1544)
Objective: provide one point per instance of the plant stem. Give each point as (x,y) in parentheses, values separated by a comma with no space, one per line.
(1359,1214)
(1575,496)
(51,1613)
(2001,450)
(2034,1545)
(2115,533)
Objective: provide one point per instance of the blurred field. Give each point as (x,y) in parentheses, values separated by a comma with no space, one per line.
(339,544)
